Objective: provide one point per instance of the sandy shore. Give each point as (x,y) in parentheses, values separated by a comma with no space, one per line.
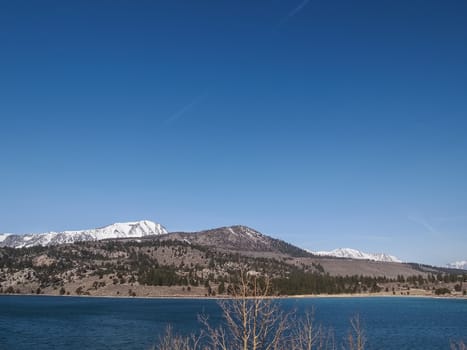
(300,296)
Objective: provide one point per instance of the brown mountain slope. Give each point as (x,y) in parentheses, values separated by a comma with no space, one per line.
(249,242)
(203,263)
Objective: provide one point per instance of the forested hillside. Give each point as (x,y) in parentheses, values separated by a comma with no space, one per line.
(192,265)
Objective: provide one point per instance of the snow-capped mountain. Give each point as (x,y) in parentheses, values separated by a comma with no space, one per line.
(118,230)
(3,236)
(458,265)
(357,254)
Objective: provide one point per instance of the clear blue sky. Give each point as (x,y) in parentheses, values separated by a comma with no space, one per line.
(325,123)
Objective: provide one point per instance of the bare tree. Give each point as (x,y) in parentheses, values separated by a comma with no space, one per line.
(356,338)
(330,340)
(253,321)
(305,335)
(171,341)
(460,345)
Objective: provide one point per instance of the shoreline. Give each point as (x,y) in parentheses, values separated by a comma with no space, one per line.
(284,297)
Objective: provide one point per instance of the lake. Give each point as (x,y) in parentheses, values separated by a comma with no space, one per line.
(41,322)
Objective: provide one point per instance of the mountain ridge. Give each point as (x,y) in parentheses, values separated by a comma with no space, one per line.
(238,238)
(195,264)
(351,253)
(461,265)
(132,229)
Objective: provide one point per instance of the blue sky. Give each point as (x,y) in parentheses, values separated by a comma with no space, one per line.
(325,123)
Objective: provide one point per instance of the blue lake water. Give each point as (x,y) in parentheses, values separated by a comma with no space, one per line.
(29,322)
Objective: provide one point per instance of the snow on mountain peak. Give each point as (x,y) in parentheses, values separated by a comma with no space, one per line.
(133,229)
(3,236)
(462,265)
(357,254)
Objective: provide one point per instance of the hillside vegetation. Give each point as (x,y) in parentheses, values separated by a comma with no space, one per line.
(205,264)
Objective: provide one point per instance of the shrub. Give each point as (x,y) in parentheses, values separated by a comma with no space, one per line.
(442,291)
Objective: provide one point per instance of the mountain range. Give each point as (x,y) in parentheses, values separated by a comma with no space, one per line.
(357,254)
(234,237)
(224,237)
(134,229)
(142,258)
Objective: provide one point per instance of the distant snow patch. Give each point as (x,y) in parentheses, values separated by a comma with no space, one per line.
(358,254)
(462,265)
